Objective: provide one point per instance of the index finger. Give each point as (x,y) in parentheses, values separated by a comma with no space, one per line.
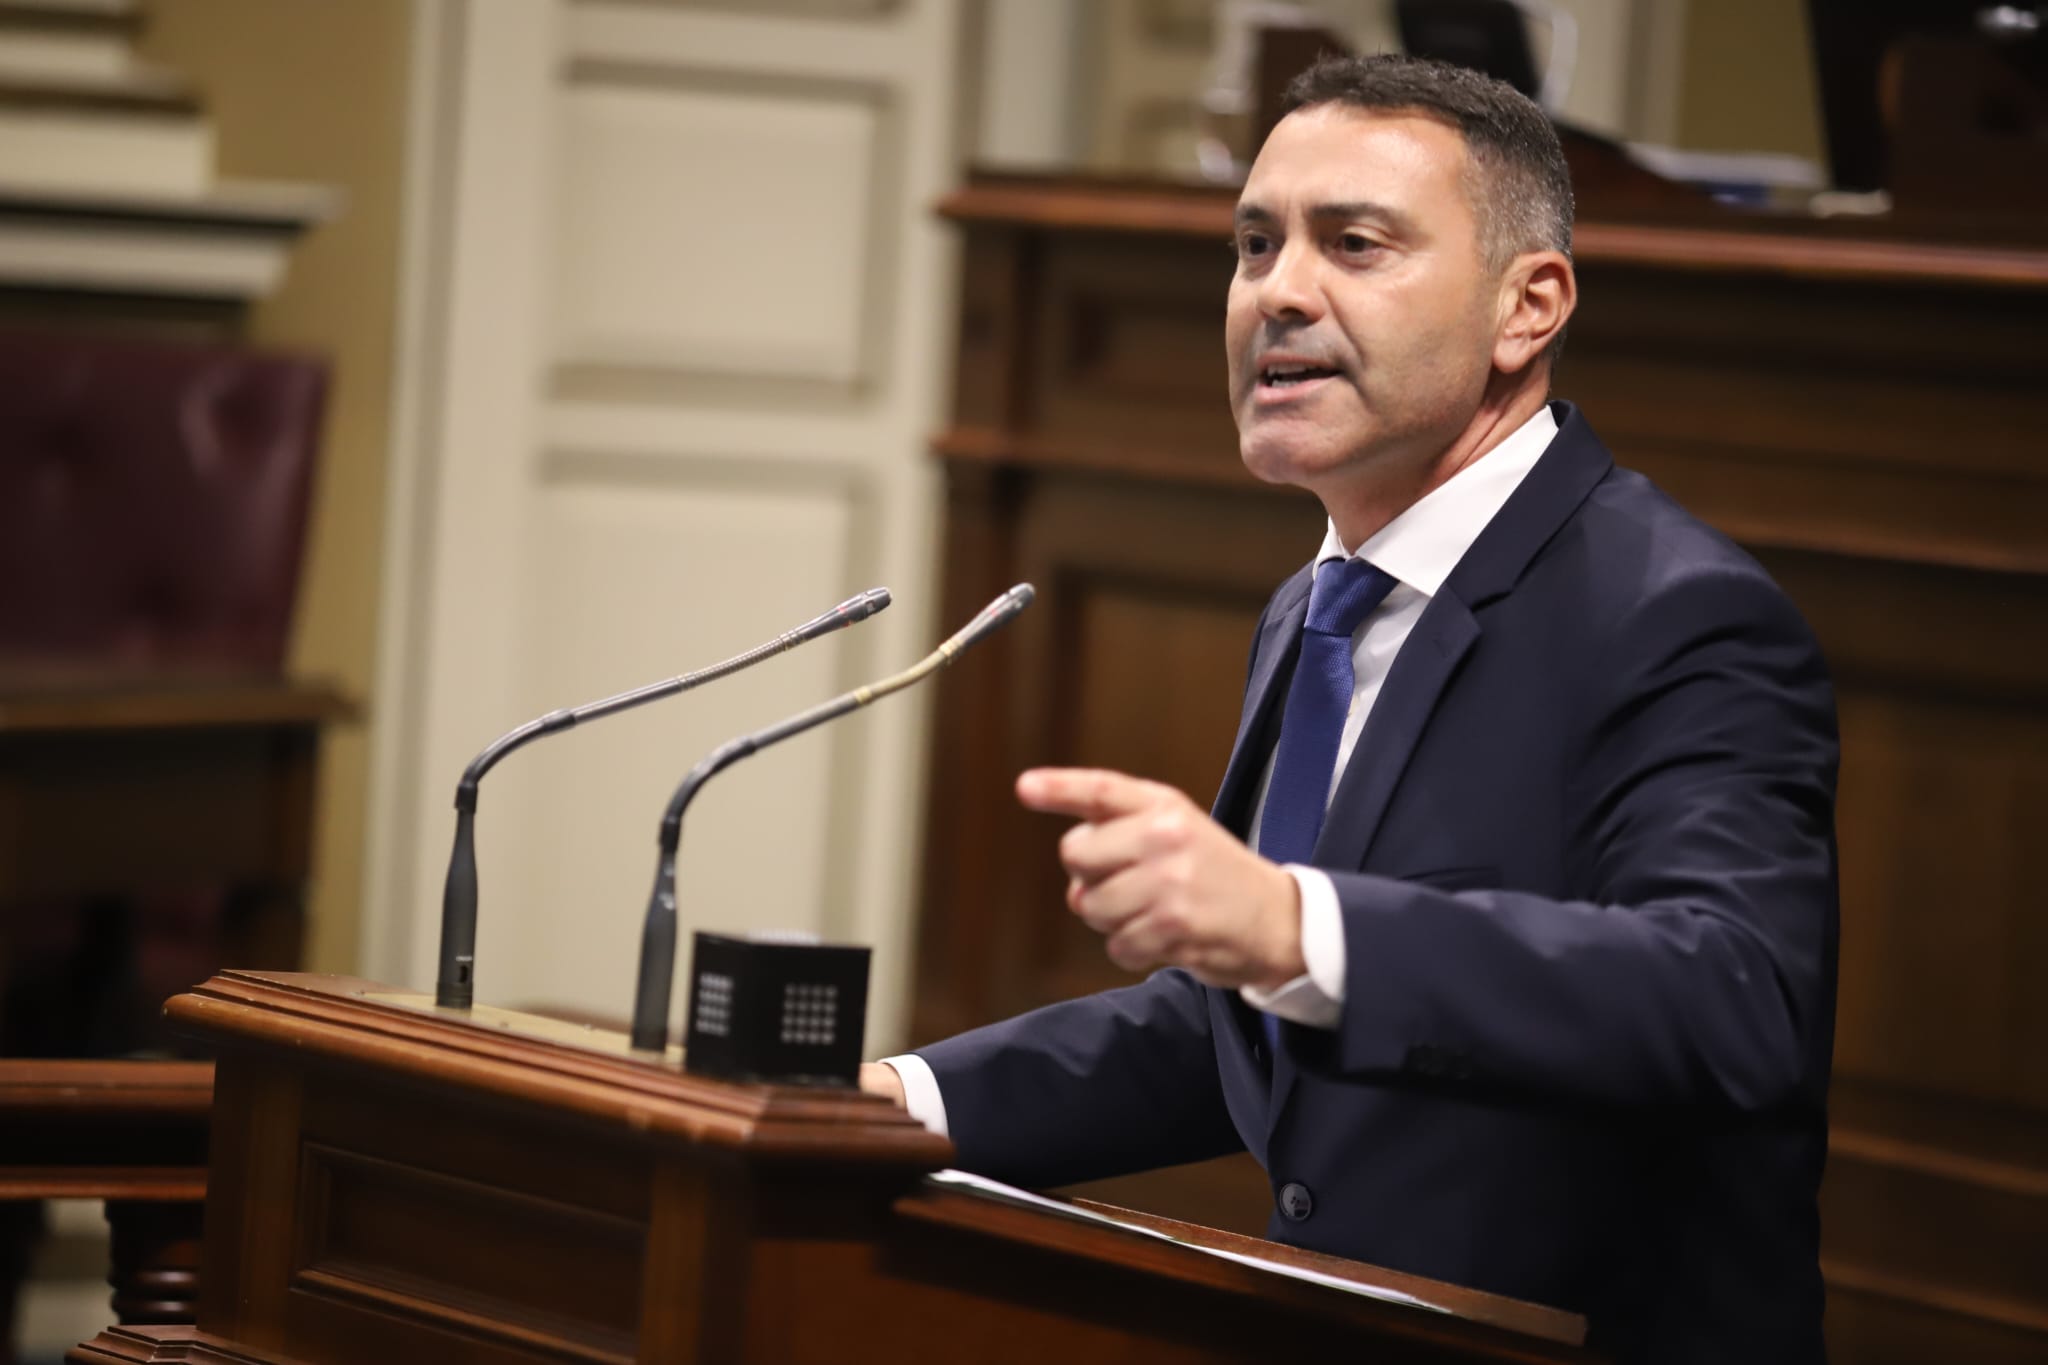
(1092,794)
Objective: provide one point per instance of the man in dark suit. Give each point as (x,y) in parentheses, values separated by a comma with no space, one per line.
(1509,949)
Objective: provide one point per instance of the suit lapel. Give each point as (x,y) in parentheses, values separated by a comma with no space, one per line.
(1272,666)
(1273,654)
(1424,667)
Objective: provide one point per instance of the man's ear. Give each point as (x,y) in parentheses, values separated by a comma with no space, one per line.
(1538,293)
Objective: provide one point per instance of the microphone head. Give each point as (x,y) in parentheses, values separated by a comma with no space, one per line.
(851,612)
(863,605)
(991,619)
(1010,603)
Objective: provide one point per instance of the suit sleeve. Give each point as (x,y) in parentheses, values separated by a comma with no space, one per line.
(1699,969)
(1108,1084)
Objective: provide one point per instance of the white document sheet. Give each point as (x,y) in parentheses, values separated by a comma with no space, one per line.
(1010,1194)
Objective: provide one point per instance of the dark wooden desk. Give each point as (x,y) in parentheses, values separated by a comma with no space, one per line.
(115,788)
(110,783)
(132,1133)
(1863,406)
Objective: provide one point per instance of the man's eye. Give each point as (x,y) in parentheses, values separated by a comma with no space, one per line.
(1356,242)
(1252,244)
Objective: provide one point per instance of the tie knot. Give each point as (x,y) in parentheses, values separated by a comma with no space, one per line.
(1345,592)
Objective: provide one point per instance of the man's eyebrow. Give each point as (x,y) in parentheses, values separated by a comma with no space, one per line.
(1258,215)
(1365,208)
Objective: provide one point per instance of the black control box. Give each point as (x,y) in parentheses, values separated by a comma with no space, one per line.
(779,1008)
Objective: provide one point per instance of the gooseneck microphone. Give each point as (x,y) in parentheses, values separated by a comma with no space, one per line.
(658,935)
(455,986)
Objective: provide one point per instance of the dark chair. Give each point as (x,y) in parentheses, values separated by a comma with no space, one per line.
(153,500)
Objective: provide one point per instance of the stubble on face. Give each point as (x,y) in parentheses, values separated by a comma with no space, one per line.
(1361,318)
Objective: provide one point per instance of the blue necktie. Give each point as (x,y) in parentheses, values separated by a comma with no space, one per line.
(1318,700)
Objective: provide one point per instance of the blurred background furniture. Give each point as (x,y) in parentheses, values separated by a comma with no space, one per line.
(1943,105)
(130,1133)
(150,831)
(156,768)
(153,501)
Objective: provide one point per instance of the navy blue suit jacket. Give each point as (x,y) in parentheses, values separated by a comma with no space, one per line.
(1585,857)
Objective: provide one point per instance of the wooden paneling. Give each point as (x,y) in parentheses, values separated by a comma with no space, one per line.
(374,1229)
(1126,349)
(1893,422)
(1135,631)
(1135,655)
(1861,407)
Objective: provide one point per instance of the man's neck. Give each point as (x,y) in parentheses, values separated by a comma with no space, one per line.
(1362,509)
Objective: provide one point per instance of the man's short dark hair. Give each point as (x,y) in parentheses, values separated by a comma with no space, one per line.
(1520,188)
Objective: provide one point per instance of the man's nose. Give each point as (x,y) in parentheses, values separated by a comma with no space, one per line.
(1291,288)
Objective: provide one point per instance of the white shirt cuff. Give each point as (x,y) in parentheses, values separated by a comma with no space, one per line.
(1316,997)
(920,1091)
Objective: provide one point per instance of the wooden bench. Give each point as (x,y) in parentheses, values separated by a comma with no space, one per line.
(133,1133)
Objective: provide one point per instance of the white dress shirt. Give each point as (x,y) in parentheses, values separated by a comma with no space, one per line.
(1418,549)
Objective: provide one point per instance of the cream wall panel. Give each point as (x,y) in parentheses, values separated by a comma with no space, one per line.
(834,8)
(1032,113)
(1150,62)
(794,434)
(1656,67)
(635,581)
(1599,97)
(656,409)
(890,46)
(459,490)
(722,231)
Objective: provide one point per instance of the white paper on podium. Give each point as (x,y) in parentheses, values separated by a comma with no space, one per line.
(1010,1194)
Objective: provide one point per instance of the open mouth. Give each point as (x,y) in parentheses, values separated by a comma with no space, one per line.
(1289,375)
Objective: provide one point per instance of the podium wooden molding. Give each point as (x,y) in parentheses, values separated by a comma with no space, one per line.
(391,1182)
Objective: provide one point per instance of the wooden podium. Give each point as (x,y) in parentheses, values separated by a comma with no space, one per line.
(393,1183)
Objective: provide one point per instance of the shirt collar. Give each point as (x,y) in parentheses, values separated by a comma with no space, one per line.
(1422,545)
